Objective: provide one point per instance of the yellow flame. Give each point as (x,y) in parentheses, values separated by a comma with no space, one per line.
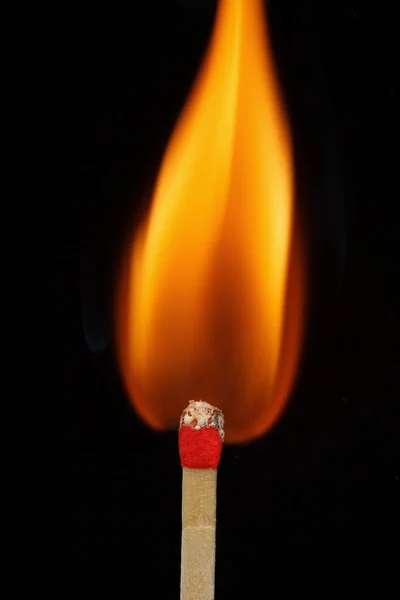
(202,309)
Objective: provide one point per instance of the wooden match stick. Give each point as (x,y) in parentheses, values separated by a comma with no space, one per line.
(201,435)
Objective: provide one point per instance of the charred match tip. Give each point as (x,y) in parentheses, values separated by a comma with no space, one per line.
(201,434)
(201,414)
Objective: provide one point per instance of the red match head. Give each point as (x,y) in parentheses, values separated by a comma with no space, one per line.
(201,435)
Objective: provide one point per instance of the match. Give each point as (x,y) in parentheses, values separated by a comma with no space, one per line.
(201,434)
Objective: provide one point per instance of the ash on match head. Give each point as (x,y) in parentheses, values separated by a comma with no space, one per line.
(201,434)
(202,414)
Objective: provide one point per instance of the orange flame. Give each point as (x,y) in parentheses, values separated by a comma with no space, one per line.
(211,296)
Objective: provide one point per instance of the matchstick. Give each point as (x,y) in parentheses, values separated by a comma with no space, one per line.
(201,435)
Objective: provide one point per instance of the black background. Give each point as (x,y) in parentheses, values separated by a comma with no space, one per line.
(313,507)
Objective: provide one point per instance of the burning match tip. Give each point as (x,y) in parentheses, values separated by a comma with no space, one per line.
(201,434)
(201,414)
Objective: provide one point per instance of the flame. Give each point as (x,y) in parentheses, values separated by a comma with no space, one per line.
(211,297)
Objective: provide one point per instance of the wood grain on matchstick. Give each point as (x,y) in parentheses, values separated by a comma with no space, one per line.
(198,533)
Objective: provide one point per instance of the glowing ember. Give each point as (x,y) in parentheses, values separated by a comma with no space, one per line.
(211,295)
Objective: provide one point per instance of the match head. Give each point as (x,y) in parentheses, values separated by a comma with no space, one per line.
(201,434)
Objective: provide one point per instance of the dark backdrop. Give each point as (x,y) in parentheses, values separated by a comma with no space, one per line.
(313,507)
